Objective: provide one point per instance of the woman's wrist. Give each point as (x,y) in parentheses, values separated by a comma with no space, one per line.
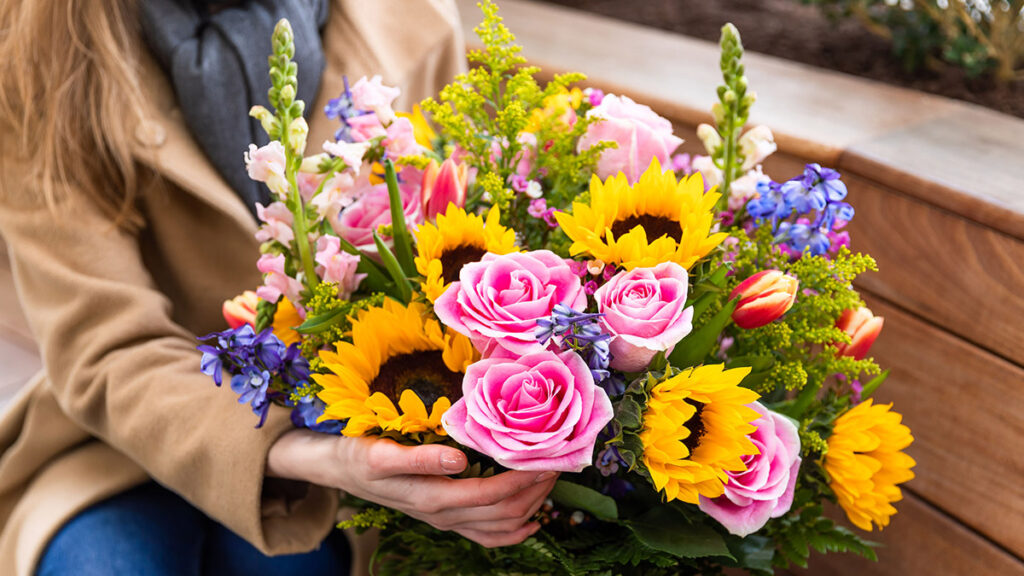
(303,455)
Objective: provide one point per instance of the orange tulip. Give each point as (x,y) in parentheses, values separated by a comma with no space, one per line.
(863,328)
(443,186)
(764,297)
(241,309)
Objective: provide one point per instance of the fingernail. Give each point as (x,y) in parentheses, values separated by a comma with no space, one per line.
(453,462)
(545,476)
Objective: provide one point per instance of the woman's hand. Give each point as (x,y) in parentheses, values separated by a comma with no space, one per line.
(493,511)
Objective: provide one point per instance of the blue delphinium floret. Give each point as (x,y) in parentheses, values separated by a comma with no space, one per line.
(306,412)
(580,332)
(342,108)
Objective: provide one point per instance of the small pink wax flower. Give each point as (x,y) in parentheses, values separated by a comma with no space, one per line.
(241,309)
(498,300)
(275,281)
(337,266)
(640,135)
(540,411)
(765,489)
(645,312)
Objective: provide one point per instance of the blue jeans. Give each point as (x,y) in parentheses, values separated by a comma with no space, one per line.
(152,531)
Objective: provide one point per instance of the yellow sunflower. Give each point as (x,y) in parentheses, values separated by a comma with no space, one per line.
(865,462)
(658,219)
(286,319)
(396,355)
(457,239)
(695,429)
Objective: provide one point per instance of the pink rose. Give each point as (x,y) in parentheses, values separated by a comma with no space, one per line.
(641,136)
(373,209)
(645,312)
(541,411)
(765,489)
(337,266)
(276,281)
(498,300)
(277,223)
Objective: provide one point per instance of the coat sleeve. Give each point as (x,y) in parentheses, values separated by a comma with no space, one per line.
(123,370)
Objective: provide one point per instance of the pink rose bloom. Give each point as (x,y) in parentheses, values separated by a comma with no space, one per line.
(266,164)
(275,281)
(373,209)
(641,136)
(645,312)
(541,411)
(498,300)
(277,223)
(373,95)
(765,489)
(401,141)
(336,265)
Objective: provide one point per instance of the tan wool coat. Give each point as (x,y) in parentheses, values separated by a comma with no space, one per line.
(116,315)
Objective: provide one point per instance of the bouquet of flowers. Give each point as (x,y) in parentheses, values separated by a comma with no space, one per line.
(528,272)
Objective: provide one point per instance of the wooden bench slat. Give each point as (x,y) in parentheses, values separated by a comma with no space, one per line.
(921,541)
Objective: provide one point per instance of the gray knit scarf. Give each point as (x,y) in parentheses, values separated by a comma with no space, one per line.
(215,54)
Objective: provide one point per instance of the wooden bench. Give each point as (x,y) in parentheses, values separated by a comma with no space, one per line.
(938,187)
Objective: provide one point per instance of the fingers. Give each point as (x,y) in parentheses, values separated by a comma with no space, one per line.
(477,492)
(496,539)
(385,458)
(508,515)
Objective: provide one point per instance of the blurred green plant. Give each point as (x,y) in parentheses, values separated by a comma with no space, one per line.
(981,36)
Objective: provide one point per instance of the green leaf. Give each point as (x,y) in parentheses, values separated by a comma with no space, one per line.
(376,279)
(322,322)
(873,385)
(753,552)
(693,349)
(628,413)
(664,528)
(399,229)
(582,498)
(404,292)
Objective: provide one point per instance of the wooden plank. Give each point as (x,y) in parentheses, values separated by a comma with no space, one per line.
(921,541)
(966,409)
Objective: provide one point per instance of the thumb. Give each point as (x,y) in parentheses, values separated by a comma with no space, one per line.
(387,458)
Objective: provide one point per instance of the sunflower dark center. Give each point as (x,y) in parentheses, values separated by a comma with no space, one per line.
(696,427)
(654,226)
(454,259)
(425,373)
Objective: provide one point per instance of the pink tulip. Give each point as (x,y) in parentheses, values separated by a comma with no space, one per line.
(764,297)
(863,328)
(541,411)
(765,489)
(444,186)
(241,309)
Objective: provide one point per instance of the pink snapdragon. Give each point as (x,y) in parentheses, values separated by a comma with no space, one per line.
(765,489)
(266,164)
(645,312)
(639,133)
(277,223)
(372,94)
(276,281)
(498,300)
(336,265)
(540,411)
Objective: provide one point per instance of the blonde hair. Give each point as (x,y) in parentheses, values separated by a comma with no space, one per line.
(71,99)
